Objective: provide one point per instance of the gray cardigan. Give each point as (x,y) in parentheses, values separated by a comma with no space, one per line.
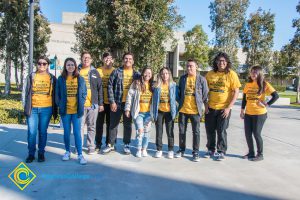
(133,101)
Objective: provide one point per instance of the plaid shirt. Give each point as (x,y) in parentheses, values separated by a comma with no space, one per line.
(115,85)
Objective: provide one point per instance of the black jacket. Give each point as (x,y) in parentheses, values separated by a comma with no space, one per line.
(96,86)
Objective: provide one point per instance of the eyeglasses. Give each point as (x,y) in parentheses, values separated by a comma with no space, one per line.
(70,65)
(42,64)
(224,61)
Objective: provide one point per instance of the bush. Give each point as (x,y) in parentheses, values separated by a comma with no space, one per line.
(279,88)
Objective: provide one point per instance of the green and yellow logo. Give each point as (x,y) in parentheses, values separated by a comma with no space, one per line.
(22,176)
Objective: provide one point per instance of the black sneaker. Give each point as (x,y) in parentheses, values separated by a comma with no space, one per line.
(257,158)
(209,154)
(196,157)
(219,156)
(41,157)
(29,159)
(109,148)
(179,154)
(248,156)
(98,148)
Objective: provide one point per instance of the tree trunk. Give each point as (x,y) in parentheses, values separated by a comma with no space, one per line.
(298,88)
(16,75)
(7,76)
(22,74)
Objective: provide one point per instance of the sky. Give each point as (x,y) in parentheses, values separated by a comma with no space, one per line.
(197,12)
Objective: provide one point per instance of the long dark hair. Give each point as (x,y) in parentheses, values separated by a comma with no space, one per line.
(140,83)
(216,59)
(65,72)
(260,79)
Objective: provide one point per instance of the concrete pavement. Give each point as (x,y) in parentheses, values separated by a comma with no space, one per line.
(118,176)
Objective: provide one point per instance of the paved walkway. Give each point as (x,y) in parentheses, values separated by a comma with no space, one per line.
(118,176)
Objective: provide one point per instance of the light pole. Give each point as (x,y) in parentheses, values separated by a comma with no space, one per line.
(31,23)
(55,58)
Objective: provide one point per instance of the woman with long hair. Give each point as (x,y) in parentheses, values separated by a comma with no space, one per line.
(163,109)
(38,99)
(254,95)
(138,101)
(71,93)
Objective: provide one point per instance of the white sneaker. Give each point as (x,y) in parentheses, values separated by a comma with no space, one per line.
(81,160)
(138,153)
(170,154)
(66,156)
(127,149)
(158,154)
(144,153)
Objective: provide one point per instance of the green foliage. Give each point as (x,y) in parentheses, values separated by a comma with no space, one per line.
(257,39)
(11,111)
(227,19)
(196,46)
(279,88)
(14,31)
(119,26)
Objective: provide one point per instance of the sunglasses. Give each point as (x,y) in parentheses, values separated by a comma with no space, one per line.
(42,64)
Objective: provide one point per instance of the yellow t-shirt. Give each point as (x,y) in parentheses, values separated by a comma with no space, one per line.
(72,86)
(189,104)
(41,91)
(145,99)
(220,87)
(104,74)
(253,106)
(84,72)
(164,101)
(127,80)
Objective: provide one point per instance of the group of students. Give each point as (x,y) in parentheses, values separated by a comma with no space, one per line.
(86,95)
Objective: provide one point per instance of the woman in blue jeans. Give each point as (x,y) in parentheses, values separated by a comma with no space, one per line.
(164,110)
(138,101)
(71,93)
(38,99)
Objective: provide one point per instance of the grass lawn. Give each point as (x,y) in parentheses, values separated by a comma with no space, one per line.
(290,94)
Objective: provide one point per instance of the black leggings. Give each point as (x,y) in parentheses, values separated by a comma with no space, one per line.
(253,125)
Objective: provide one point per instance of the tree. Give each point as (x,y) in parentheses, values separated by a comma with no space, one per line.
(128,25)
(227,19)
(281,64)
(196,46)
(257,39)
(294,53)
(14,29)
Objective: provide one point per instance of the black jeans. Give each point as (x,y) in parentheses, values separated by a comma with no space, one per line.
(169,123)
(253,125)
(183,121)
(99,125)
(114,123)
(214,122)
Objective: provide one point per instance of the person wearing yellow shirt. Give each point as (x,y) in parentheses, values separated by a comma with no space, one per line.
(138,104)
(104,72)
(118,85)
(192,93)
(94,100)
(70,97)
(38,99)
(164,110)
(254,95)
(223,85)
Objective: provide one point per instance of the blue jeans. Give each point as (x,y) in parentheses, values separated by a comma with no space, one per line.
(143,121)
(38,121)
(67,120)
